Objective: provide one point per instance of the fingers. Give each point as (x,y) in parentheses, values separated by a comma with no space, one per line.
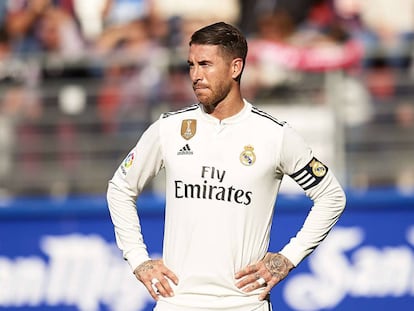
(152,288)
(261,281)
(253,277)
(264,295)
(265,273)
(171,275)
(156,278)
(160,287)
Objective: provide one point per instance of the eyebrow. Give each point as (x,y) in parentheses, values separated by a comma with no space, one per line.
(203,61)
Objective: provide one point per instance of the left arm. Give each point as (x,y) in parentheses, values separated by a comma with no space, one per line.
(329,203)
(328,197)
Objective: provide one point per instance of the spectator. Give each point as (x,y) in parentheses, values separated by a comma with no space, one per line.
(91,16)
(250,11)
(280,49)
(5,51)
(389,28)
(125,11)
(131,77)
(58,34)
(132,40)
(20,110)
(21,21)
(190,17)
(40,27)
(175,90)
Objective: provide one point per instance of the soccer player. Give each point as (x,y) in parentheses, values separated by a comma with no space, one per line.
(224,161)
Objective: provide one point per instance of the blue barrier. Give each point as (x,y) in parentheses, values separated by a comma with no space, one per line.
(39,206)
(60,254)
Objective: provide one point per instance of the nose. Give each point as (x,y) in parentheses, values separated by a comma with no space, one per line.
(195,74)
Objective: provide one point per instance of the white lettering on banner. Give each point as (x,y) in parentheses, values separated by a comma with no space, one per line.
(83,270)
(370,272)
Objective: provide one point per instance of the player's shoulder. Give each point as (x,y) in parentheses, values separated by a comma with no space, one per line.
(180,112)
(264,116)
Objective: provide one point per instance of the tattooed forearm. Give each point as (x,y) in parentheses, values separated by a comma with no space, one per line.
(278,265)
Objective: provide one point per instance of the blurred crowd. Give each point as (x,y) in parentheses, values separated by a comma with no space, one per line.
(119,58)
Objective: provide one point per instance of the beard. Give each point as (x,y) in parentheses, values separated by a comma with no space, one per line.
(209,98)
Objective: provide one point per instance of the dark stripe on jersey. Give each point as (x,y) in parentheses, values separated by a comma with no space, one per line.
(269,305)
(266,115)
(171,113)
(310,175)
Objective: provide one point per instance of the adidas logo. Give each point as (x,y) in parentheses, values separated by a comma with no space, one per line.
(185,150)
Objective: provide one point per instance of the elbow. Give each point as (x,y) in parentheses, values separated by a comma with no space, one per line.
(342,196)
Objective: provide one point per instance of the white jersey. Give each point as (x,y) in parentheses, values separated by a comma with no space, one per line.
(222,180)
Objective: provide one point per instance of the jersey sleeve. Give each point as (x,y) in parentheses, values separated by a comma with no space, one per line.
(141,164)
(320,185)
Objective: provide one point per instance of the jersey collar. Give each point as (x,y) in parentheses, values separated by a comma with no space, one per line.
(238,117)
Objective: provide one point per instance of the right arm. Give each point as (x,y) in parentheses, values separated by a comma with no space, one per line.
(142,163)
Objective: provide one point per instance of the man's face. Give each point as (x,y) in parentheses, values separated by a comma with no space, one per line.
(210,73)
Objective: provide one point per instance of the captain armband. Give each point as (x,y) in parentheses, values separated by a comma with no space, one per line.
(310,175)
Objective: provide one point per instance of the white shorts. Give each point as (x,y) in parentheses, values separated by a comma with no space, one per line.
(161,306)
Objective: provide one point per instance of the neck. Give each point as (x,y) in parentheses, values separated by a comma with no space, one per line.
(225,109)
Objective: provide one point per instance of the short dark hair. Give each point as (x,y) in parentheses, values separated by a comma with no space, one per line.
(228,37)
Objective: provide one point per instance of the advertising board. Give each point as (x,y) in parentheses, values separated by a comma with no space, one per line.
(60,255)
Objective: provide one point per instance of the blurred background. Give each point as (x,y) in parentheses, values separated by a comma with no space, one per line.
(80,80)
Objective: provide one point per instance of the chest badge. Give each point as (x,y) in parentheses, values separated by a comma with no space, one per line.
(188,128)
(248,157)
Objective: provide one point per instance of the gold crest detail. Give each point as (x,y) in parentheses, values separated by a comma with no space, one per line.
(188,128)
(318,169)
(247,157)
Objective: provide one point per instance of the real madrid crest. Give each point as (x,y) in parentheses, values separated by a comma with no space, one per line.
(247,157)
(318,169)
(188,128)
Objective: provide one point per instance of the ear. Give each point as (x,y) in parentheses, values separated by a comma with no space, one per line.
(236,67)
